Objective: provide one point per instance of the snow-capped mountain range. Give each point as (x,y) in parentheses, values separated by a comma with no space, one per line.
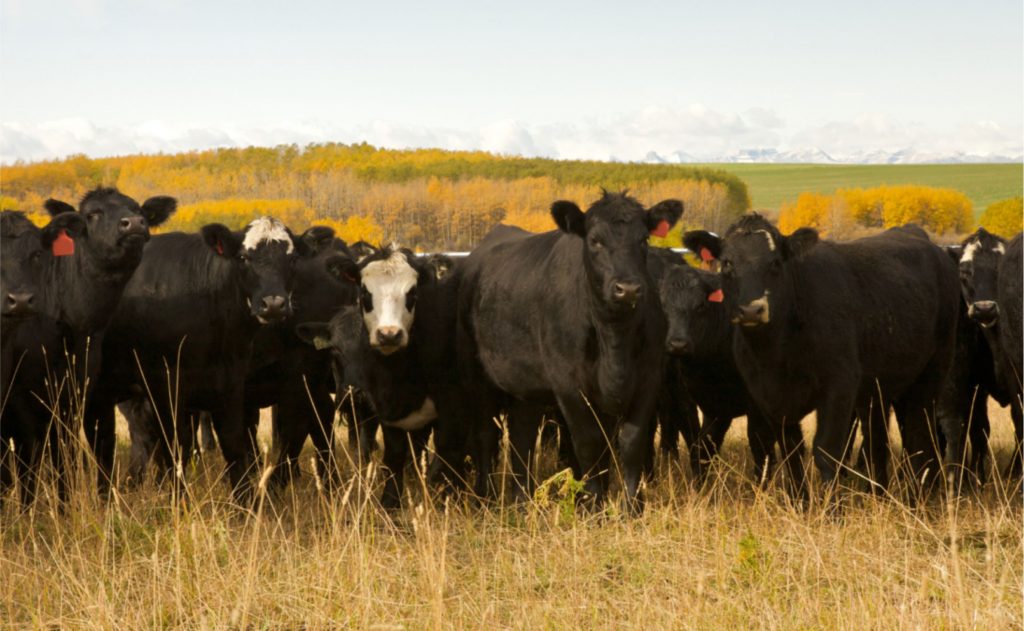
(814,155)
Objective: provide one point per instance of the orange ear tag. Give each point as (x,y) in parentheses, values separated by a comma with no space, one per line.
(716,296)
(662,229)
(63,245)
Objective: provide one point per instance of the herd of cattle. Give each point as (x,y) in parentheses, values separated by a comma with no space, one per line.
(586,325)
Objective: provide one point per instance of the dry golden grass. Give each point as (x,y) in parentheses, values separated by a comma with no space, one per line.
(728,556)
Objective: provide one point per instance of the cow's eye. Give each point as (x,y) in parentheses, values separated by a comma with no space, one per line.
(93,216)
(596,243)
(410,299)
(775,266)
(366,298)
(243,257)
(727,268)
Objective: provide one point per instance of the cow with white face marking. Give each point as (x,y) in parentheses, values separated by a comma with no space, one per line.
(188,318)
(843,329)
(387,295)
(395,347)
(988,292)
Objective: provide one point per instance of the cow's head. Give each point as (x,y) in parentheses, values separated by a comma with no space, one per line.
(116,227)
(980,255)
(23,249)
(692,300)
(614,231)
(387,281)
(264,254)
(753,258)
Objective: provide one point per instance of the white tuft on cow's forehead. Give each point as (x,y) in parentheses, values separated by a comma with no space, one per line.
(392,266)
(999,249)
(264,230)
(768,235)
(969,251)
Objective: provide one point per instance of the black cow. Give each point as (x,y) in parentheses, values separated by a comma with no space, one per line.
(1011,345)
(700,335)
(396,348)
(984,288)
(569,317)
(845,329)
(93,253)
(182,337)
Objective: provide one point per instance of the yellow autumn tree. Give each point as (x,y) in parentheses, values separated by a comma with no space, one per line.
(1005,218)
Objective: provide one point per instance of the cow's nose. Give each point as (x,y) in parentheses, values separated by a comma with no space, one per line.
(19,303)
(752,313)
(389,336)
(273,307)
(625,292)
(133,225)
(986,312)
(677,346)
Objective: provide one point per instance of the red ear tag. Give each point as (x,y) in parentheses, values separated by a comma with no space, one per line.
(661,230)
(63,245)
(220,248)
(706,255)
(716,296)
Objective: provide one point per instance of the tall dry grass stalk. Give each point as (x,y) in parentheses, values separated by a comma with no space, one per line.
(726,556)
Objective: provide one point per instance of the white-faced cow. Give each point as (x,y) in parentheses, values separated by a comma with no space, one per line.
(91,254)
(182,337)
(569,317)
(987,293)
(844,329)
(395,347)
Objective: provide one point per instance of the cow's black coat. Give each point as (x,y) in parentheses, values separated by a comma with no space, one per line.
(570,316)
(76,297)
(844,329)
(182,338)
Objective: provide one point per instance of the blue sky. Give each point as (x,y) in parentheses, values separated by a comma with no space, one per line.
(571,80)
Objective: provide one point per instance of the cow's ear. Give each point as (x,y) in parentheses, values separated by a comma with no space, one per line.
(343,268)
(801,241)
(712,285)
(317,238)
(569,218)
(157,209)
(72,224)
(56,207)
(316,334)
(663,215)
(221,240)
(707,246)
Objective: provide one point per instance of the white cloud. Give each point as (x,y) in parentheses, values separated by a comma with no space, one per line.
(693,132)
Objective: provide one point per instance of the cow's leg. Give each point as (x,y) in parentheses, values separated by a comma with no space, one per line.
(291,425)
(205,433)
(236,442)
(832,436)
(100,433)
(591,444)
(762,438)
(396,456)
(1016,467)
(524,423)
(144,432)
(321,431)
(874,422)
(709,444)
(978,429)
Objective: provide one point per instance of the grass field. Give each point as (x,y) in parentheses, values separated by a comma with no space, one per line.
(770,185)
(727,556)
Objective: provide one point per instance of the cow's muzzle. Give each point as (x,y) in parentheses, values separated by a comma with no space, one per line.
(273,309)
(984,312)
(132,227)
(388,339)
(754,313)
(18,304)
(626,294)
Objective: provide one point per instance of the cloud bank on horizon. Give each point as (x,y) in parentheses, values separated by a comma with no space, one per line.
(693,134)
